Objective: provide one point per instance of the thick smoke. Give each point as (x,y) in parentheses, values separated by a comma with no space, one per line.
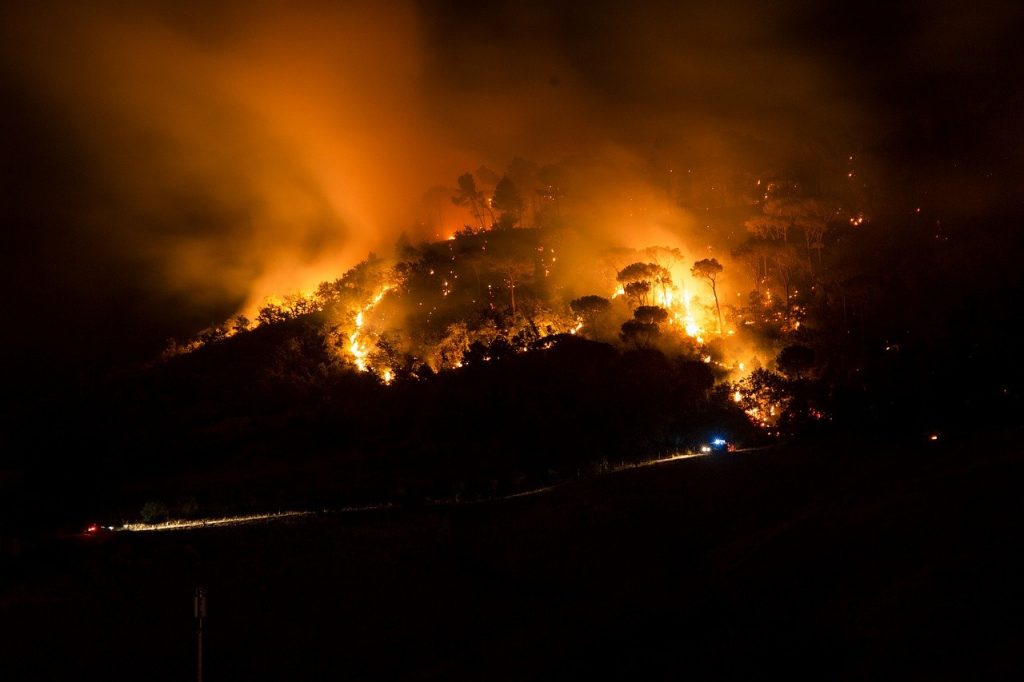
(171,163)
(241,150)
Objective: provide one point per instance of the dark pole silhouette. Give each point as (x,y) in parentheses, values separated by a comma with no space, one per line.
(200,613)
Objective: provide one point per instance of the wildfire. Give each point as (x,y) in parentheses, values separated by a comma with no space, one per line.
(364,340)
(688,320)
(356,346)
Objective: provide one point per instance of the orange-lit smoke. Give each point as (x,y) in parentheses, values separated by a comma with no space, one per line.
(247,151)
(251,149)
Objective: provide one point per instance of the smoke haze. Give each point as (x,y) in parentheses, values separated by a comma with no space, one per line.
(169,163)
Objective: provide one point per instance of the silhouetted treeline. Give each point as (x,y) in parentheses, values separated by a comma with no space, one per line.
(266,419)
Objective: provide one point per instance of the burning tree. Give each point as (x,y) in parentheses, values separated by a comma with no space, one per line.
(762,395)
(709,269)
(637,280)
(637,292)
(450,349)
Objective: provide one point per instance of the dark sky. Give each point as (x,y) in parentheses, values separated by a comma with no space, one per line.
(165,162)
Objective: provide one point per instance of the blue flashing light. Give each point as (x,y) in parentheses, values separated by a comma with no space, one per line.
(719,441)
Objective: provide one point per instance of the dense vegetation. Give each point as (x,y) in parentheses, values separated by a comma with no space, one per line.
(476,366)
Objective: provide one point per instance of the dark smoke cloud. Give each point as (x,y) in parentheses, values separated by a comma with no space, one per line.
(169,162)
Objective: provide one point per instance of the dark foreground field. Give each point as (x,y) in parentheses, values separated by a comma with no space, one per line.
(812,560)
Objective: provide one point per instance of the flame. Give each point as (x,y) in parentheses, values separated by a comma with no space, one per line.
(356,346)
(680,310)
(690,316)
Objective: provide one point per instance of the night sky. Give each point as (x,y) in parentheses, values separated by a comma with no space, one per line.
(166,162)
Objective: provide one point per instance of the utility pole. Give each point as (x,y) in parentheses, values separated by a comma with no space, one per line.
(200,613)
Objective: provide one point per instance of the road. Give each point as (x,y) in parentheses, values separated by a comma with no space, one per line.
(193,524)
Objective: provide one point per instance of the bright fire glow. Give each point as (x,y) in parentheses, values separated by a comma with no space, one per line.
(357,346)
(689,321)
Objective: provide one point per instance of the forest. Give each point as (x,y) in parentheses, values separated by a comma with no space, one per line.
(524,348)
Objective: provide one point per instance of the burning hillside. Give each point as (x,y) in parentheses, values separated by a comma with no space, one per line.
(596,234)
(521,276)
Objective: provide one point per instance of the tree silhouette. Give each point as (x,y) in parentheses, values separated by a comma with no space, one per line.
(755,252)
(550,193)
(650,314)
(589,307)
(641,334)
(469,196)
(769,227)
(637,279)
(508,201)
(710,269)
(813,216)
(786,265)
(513,272)
(638,272)
(663,277)
(779,216)
(271,313)
(241,324)
(525,176)
(795,360)
(637,292)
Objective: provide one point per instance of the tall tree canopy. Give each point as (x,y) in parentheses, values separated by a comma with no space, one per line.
(709,269)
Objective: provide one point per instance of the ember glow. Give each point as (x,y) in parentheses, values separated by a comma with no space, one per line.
(357,345)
